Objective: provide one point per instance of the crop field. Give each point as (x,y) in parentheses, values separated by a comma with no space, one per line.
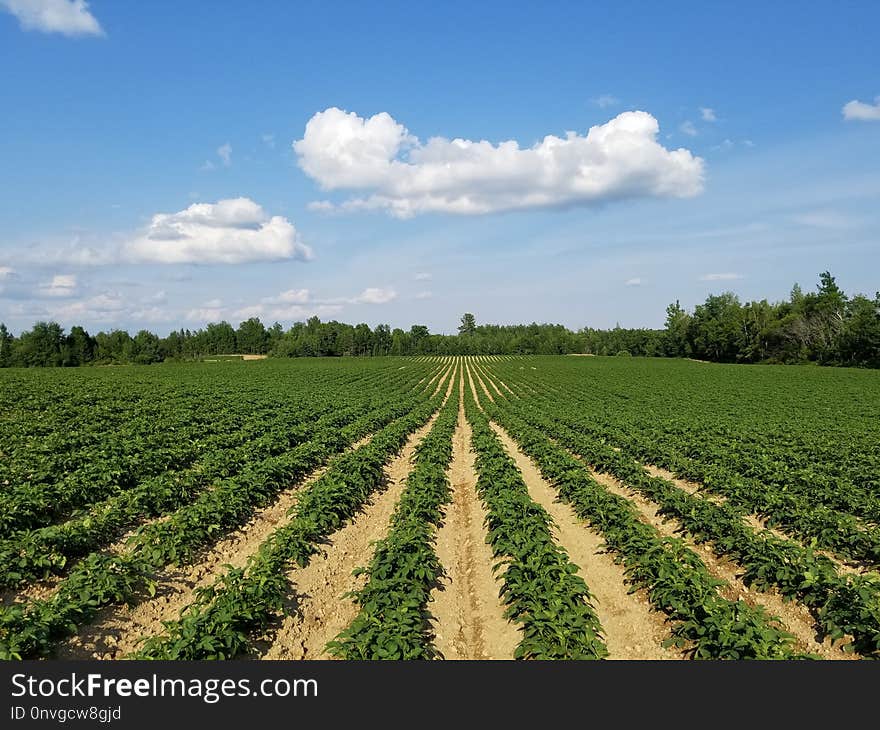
(480,507)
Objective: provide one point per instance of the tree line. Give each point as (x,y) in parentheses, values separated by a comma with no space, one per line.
(825,326)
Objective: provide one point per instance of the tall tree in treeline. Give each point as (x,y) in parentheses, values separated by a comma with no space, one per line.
(468,324)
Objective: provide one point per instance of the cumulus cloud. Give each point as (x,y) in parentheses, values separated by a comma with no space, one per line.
(227,232)
(68,17)
(720,277)
(61,285)
(633,282)
(860,111)
(688,128)
(401,174)
(707,114)
(606,100)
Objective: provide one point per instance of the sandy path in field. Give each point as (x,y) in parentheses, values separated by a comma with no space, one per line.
(795,617)
(119,630)
(468,616)
(318,609)
(632,629)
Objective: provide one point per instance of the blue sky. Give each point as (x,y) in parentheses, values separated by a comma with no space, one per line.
(728,155)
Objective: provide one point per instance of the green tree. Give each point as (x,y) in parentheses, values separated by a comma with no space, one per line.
(251,337)
(7,342)
(677,324)
(468,324)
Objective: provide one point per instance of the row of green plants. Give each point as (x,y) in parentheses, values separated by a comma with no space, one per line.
(99,580)
(226,616)
(803,514)
(393,621)
(797,429)
(843,605)
(704,623)
(35,554)
(543,593)
(170,433)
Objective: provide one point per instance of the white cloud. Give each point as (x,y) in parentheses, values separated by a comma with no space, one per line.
(68,17)
(619,159)
(859,110)
(424,295)
(213,303)
(227,232)
(224,152)
(6,272)
(269,140)
(707,114)
(748,143)
(606,100)
(687,127)
(375,295)
(720,277)
(633,282)
(61,285)
(422,276)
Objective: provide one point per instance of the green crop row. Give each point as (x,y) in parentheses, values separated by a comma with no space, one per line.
(677,582)
(223,619)
(540,585)
(393,621)
(100,580)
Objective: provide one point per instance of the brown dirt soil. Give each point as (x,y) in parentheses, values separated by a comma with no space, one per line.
(317,609)
(468,616)
(632,629)
(795,617)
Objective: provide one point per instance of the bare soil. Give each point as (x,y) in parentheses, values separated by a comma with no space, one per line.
(468,615)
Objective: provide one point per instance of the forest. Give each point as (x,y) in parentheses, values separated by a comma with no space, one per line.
(825,326)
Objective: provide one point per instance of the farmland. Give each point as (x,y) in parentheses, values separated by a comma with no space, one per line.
(430,507)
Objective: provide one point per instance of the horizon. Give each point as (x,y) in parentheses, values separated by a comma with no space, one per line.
(586,176)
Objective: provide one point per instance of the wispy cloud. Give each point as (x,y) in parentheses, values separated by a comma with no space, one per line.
(224,152)
(605,101)
(728,276)
(860,111)
(687,127)
(707,114)
(636,281)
